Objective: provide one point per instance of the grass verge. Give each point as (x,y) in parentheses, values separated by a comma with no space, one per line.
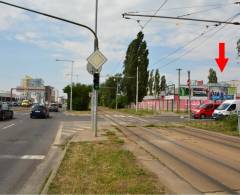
(102,168)
(226,126)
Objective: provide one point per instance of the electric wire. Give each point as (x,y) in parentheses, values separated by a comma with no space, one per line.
(184,46)
(155,13)
(201,11)
(199,6)
(193,48)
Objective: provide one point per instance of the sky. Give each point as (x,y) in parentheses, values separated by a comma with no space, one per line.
(30,43)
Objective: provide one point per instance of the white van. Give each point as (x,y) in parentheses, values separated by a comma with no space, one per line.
(227,108)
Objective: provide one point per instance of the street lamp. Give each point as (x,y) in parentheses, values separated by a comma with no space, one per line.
(137,84)
(58,60)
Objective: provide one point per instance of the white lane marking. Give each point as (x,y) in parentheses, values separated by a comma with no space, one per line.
(8,126)
(58,136)
(69,131)
(24,157)
(67,134)
(33,157)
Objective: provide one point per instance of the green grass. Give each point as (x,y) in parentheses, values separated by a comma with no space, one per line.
(226,126)
(102,168)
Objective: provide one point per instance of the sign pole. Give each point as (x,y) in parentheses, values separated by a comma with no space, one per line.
(94,90)
(189,98)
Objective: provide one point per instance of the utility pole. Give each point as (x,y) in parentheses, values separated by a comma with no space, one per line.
(179,83)
(117,94)
(137,92)
(189,99)
(71,87)
(95,93)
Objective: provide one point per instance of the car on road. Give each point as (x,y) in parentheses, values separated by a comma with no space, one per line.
(53,107)
(204,110)
(39,111)
(26,103)
(227,108)
(5,111)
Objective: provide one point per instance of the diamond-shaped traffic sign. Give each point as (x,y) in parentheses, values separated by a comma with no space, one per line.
(91,70)
(97,59)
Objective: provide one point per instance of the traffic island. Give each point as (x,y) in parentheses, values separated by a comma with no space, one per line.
(103,167)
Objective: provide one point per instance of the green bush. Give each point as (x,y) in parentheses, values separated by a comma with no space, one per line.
(81,97)
(231,122)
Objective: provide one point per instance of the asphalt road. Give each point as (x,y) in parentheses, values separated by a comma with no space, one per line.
(24,143)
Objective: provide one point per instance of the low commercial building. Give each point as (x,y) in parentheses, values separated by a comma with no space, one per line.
(5,96)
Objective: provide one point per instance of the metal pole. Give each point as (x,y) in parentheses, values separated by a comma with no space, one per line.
(95,93)
(179,83)
(238,113)
(189,101)
(137,92)
(117,95)
(71,96)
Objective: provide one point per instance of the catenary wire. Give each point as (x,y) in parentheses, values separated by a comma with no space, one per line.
(193,48)
(155,13)
(184,46)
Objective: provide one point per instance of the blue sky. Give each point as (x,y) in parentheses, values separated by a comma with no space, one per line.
(30,44)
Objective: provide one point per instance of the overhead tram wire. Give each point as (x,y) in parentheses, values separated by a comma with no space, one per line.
(202,11)
(198,6)
(193,48)
(184,46)
(196,38)
(189,51)
(161,6)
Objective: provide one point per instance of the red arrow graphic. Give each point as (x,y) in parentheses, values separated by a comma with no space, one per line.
(221,60)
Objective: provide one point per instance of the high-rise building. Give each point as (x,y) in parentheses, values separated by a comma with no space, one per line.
(33,88)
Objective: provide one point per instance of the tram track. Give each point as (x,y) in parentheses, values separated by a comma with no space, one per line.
(181,167)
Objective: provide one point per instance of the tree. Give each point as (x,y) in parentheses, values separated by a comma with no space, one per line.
(212,77)
(81,97)
(150,83)
(157,82)
(163,84)
(238,47)
(108,91)
(136,56)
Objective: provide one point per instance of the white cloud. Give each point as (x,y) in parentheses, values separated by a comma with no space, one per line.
(115,32)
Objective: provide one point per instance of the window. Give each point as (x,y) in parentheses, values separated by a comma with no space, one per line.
(223,106)
(232,107)
(209,106)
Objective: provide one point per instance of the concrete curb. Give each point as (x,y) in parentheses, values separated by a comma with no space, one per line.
(54,170)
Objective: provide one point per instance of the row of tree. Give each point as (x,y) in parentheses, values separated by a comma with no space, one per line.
(122,87)
(156,84)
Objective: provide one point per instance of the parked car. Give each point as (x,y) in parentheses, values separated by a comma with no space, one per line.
(227,108)
(15,104)
(53,107)
(204,110)
(39,111)
(5,111)
(26,103)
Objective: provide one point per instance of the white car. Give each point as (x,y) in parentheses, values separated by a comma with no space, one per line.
(227,108)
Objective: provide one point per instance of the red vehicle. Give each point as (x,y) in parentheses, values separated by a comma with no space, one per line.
(204,110)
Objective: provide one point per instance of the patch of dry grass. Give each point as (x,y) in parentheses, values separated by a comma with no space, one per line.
(102,168)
